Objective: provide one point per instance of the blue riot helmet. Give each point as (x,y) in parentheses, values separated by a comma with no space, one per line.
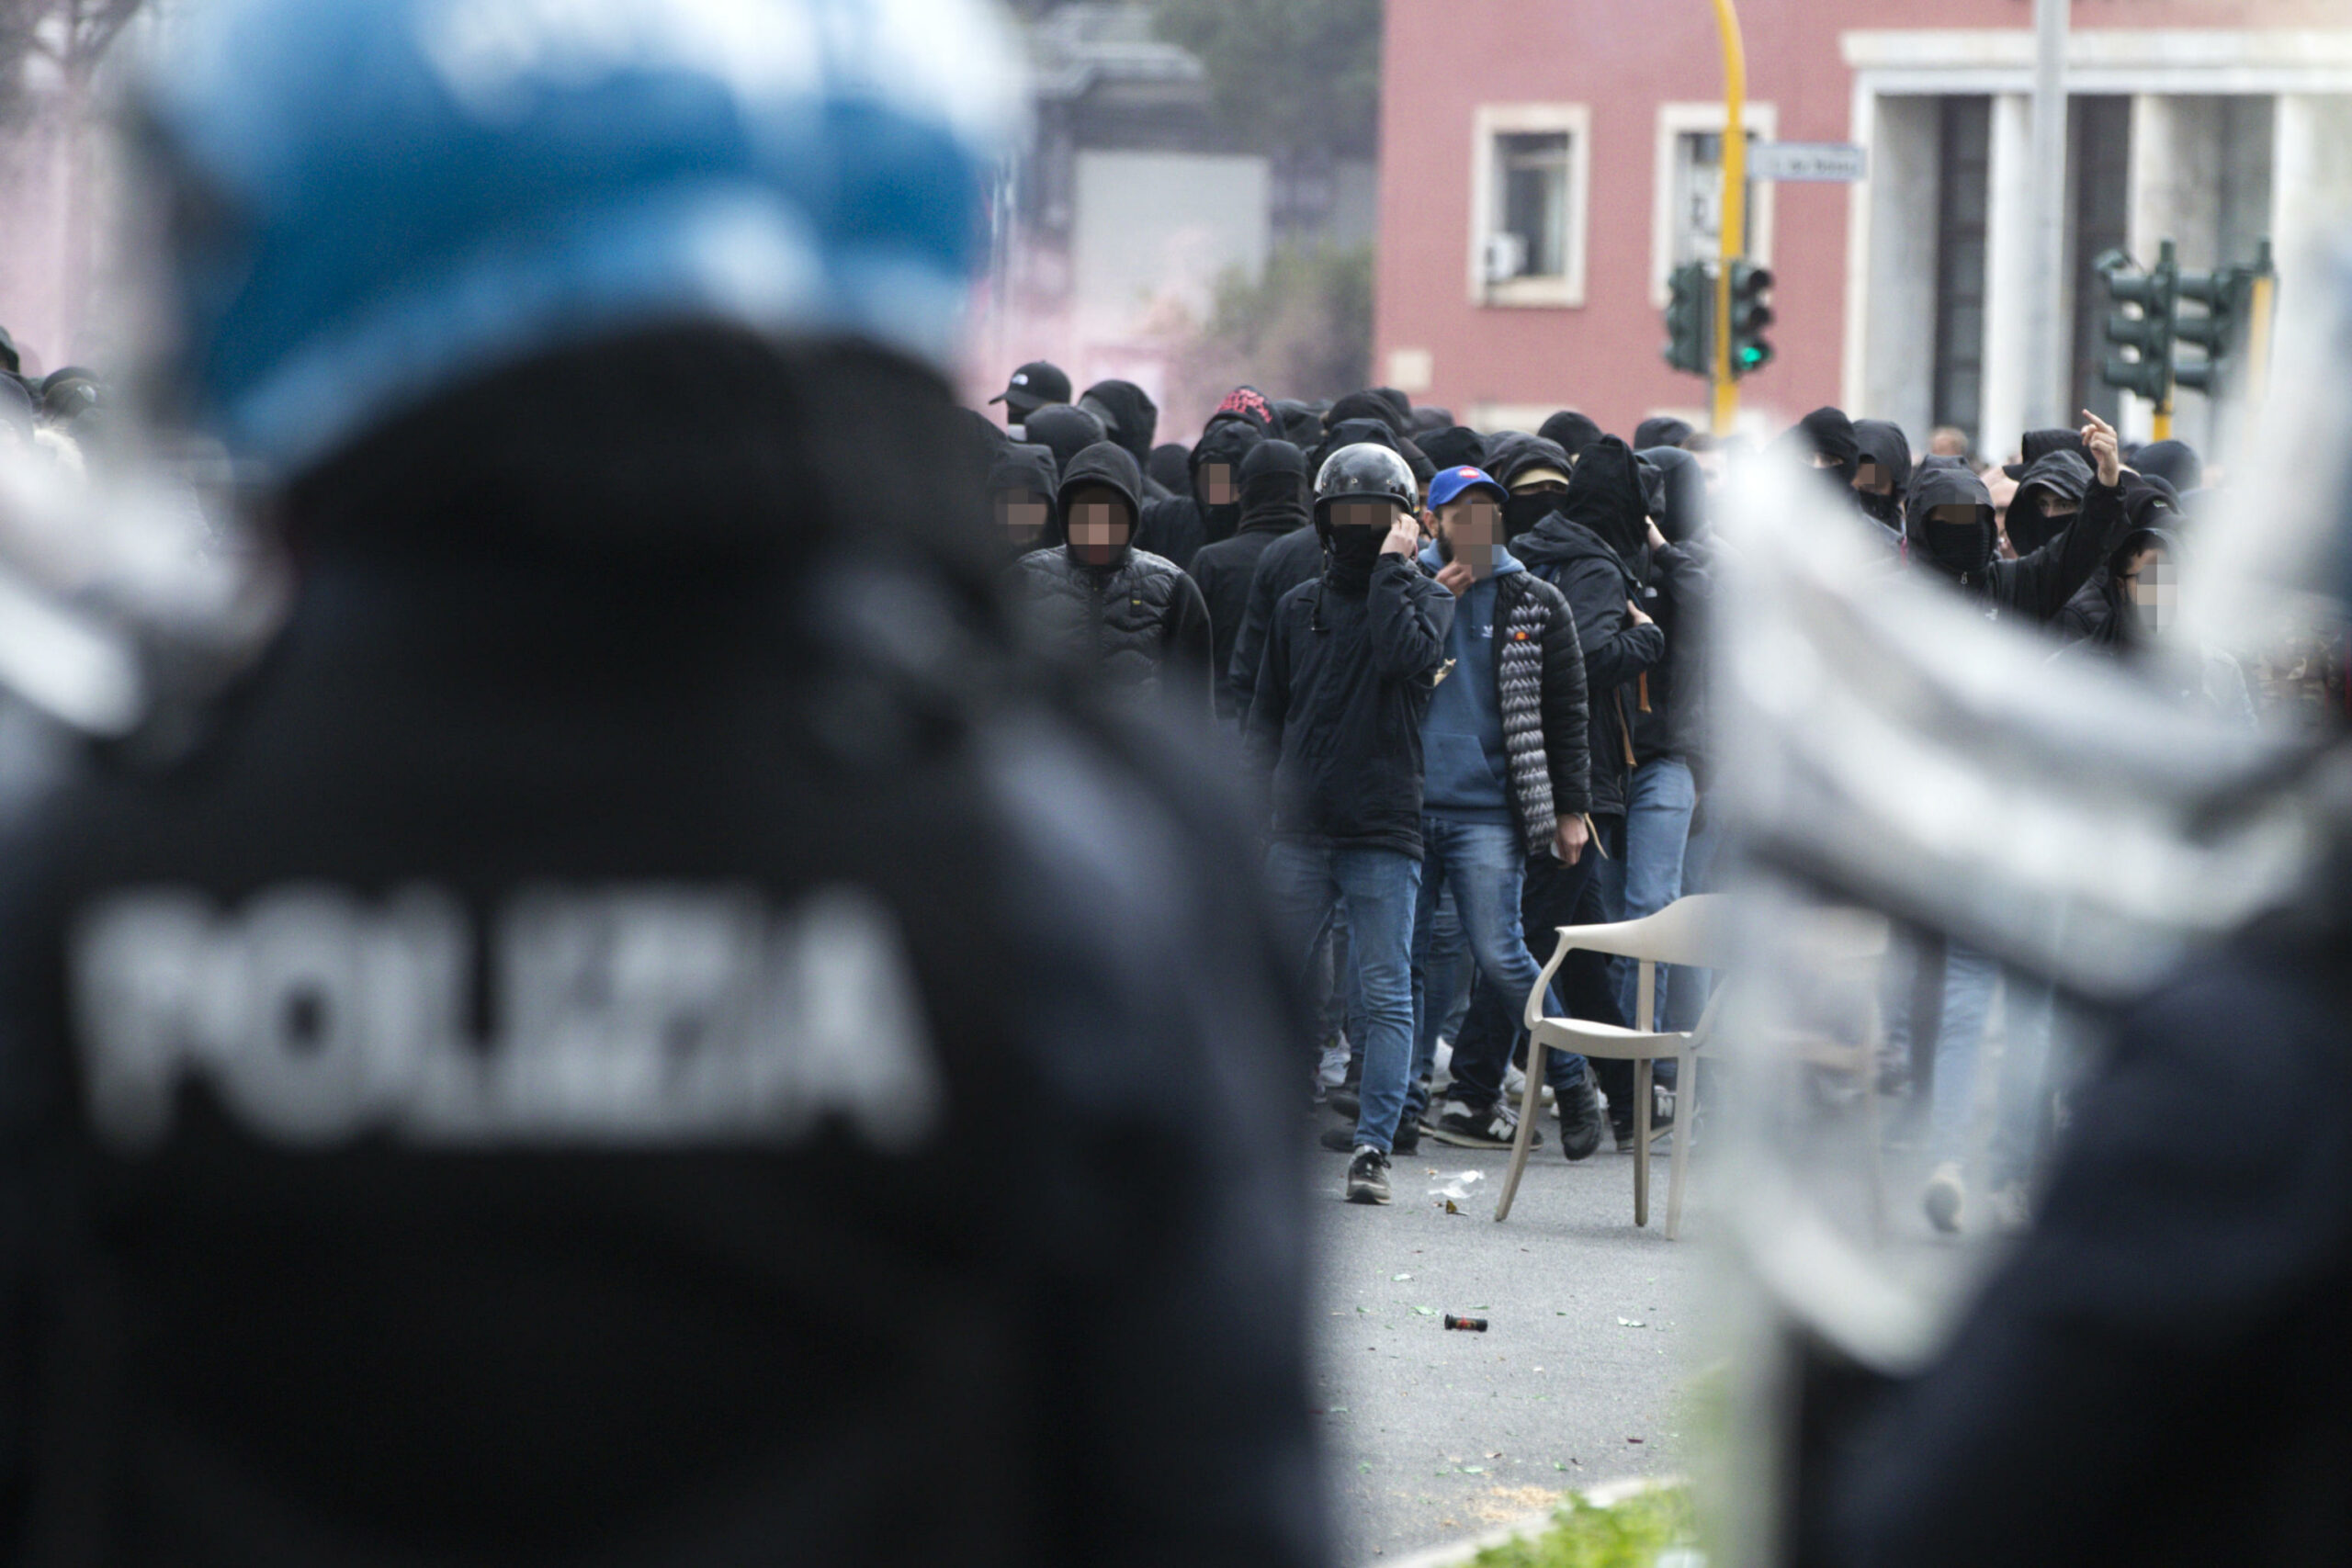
(375,202)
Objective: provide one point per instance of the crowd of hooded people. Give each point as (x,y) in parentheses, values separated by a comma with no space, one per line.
(1467,672)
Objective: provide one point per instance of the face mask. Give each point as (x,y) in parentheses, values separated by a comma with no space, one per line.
(1521,513)
(1355,546)
(1887,508)
(1957,549)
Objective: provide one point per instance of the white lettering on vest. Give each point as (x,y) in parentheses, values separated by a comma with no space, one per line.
(644,1016)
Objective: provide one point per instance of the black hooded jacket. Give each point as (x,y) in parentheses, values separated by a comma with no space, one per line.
(1284,563)
(1571,432)
(1025,469)
(2034,587)
(1881,443)
(1136,627)
(1577,551)
(1273,503)
(1179,526)
(1065,428)
(1334,727)
(1130,419)
(1680,584)
(1825,433)
(1369,405)
(653,889)
(2061,476)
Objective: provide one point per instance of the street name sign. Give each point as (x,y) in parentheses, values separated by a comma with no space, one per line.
(1838,160)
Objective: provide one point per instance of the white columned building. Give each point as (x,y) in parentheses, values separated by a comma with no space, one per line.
(2213,139)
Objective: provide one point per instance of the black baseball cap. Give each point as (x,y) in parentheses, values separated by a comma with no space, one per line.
(1033,385)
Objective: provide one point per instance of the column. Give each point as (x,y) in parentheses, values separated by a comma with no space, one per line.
(1898,358)
(2011,355)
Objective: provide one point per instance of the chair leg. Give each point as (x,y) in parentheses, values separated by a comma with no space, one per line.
(1686,1105)
(1642,1141)
(1519,1144)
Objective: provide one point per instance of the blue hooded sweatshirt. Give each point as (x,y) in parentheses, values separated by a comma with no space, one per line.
(1466,772)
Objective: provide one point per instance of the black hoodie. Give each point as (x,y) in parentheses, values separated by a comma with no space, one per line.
(1066,428)
(1511,454)
(1179,526)
(1826,432)
(1881,443)
(1334,727)
(1456,446)
(1273,503)
(2065,478)
(1681,583)
(1129,417)
(1135,627)
(2036,586)
(1571,432)
(1580,557)
(1028,470)
(1370,404)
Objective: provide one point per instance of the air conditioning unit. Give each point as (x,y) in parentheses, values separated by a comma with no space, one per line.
(1505,258)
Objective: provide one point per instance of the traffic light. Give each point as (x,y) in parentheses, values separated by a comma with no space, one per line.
(2226,331)
(1690,320)
(1751,312)
(2147,336)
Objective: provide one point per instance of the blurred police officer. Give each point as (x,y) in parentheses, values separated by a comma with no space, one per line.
(535,1086)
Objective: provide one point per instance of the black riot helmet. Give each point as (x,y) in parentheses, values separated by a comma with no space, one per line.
(1365,472)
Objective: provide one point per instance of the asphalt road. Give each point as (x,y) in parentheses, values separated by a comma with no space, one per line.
(1434,1436)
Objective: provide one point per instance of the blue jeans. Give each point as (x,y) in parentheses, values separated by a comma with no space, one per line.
(1969,979)
(1659,799)
(1551,896)
(1380,887)
(1483,863)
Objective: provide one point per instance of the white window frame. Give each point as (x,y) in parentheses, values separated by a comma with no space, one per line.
(1674,122)
(1489,121)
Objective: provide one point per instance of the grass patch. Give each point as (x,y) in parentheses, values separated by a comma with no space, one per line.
(1583,1535)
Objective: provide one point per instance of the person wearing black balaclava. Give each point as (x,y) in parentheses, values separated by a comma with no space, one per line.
(1130,622)
(1569,431)
(1825,439)
(1660,430)
(1022,484)
(1534,469)
(1170,466)
(2048,498)
(1130,419)
(1882,472)
(1179,526)
(1594,548)
(1064,428)
(1949,532)
(1334,732)
(1299,424)
(1351,432)
(1273,503)
(1289,560)
(1428,420)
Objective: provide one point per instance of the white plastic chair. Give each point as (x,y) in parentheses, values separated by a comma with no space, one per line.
(1693,931)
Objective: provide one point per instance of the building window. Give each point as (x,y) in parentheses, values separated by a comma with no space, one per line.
(1963,159)
(1528,189)
(1687,224)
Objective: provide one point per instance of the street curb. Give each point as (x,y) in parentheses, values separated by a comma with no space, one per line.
(1606,1496)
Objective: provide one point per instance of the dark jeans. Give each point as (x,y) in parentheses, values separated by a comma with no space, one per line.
(1551,896)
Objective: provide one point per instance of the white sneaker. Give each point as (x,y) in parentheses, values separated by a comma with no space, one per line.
(1332,1071)
(1946,1197)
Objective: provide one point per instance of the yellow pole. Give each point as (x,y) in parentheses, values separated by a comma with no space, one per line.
(2161,427)
(2257,339)
(1734,207)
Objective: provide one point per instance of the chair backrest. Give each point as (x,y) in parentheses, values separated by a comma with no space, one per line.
(1696,931)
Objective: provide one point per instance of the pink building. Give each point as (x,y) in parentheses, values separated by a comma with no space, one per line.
(1546,164)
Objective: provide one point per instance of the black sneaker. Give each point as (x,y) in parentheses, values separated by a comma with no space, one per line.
(1368,1176)
(1479,1127)
(1342,1140)
(1661,1118)
(1346,1101)
(1580,1120)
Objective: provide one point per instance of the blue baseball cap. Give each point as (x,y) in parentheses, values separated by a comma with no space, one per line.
(1450,483)
(398,195)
